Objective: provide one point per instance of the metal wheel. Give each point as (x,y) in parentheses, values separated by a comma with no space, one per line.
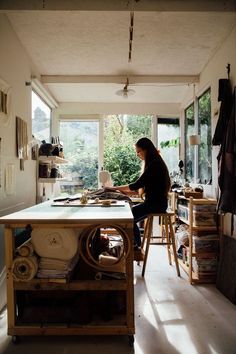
(15,339)
(131,340)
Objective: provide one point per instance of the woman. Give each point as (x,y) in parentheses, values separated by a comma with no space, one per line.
(155,182)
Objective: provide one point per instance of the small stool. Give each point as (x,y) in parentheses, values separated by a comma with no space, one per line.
(166,224)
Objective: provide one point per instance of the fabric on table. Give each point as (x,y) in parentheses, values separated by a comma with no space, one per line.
(58,243)
(106,194)
(24,268)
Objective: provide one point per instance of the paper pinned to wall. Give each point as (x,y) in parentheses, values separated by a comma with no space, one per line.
(21,141)
(10,180)
(5,102)
(0,163)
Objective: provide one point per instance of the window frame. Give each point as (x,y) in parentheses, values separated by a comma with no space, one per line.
(208,89)
(195,104)
(50,108)
(186,138)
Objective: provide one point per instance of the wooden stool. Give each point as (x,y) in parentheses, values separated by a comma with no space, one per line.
(166,224)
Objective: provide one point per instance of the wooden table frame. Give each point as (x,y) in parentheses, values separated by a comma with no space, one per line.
(18,220)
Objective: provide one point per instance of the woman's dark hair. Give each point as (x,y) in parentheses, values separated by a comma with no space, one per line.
(151,154)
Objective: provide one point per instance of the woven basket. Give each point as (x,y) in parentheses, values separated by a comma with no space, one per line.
(195,195)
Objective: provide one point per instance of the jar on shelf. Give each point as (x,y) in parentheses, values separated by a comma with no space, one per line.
(44,170)
(54,171)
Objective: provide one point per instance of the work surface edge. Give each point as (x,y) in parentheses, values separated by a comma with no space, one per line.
(44,213)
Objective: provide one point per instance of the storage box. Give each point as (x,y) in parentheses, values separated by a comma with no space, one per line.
(205,265)
(203,218)
(200,218)
(205,244)
(195,195)
(205,207)
(183,212)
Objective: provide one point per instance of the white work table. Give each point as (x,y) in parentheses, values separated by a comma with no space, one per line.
(46,216)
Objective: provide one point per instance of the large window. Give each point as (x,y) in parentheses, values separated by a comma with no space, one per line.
(81,145)
(189,149)
(204,126)
(120,134)
(168,142)
(198,159)
(41,118)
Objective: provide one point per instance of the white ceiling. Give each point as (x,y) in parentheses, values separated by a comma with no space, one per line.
(96,43)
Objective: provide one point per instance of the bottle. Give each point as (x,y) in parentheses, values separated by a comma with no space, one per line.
(54,171)
(44,198)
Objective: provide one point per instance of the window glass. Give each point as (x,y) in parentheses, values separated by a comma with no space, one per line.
(41,118)
(189,149)
(168,142)
(204,155)
(120,135)
(80,145)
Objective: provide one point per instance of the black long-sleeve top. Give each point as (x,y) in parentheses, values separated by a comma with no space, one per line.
(154,180)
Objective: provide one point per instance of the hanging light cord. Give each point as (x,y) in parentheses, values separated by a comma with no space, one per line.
(131,34)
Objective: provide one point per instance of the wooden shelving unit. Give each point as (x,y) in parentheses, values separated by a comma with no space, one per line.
(187,265)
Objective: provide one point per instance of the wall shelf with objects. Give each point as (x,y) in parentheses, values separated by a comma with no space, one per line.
(48,173)
(50,180)
(53,159)
(200,256)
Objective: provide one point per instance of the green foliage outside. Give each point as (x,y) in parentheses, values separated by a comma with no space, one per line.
(189,150)
(81,149)
(121,133)
(170,143)
(204,156)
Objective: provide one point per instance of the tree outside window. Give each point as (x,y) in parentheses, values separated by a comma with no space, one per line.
(121,132)
(41,118)
(205,155)
(189,150)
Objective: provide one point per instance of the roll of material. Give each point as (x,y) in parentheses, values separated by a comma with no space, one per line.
(26,249)
(24,268)
(110,263)
(55,243)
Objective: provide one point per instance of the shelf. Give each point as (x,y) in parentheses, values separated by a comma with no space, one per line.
(203,254)
(109,329)
(53,159)
(60,284)
(198,228)
(50,180)
(183,220)
(200,200)
(187,210)
(195,278)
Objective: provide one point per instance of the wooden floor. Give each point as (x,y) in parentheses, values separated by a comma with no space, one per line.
(171,317)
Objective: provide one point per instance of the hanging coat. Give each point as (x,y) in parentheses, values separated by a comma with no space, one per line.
(225,97)
(227,164)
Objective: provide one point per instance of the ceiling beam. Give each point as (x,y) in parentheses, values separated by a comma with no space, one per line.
(109,79)
(119,5)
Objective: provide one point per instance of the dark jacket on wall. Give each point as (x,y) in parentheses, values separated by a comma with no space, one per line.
(225,97)
(227,164)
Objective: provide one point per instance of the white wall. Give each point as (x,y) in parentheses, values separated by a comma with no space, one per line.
(80,109)
(215,70)
(15,69)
